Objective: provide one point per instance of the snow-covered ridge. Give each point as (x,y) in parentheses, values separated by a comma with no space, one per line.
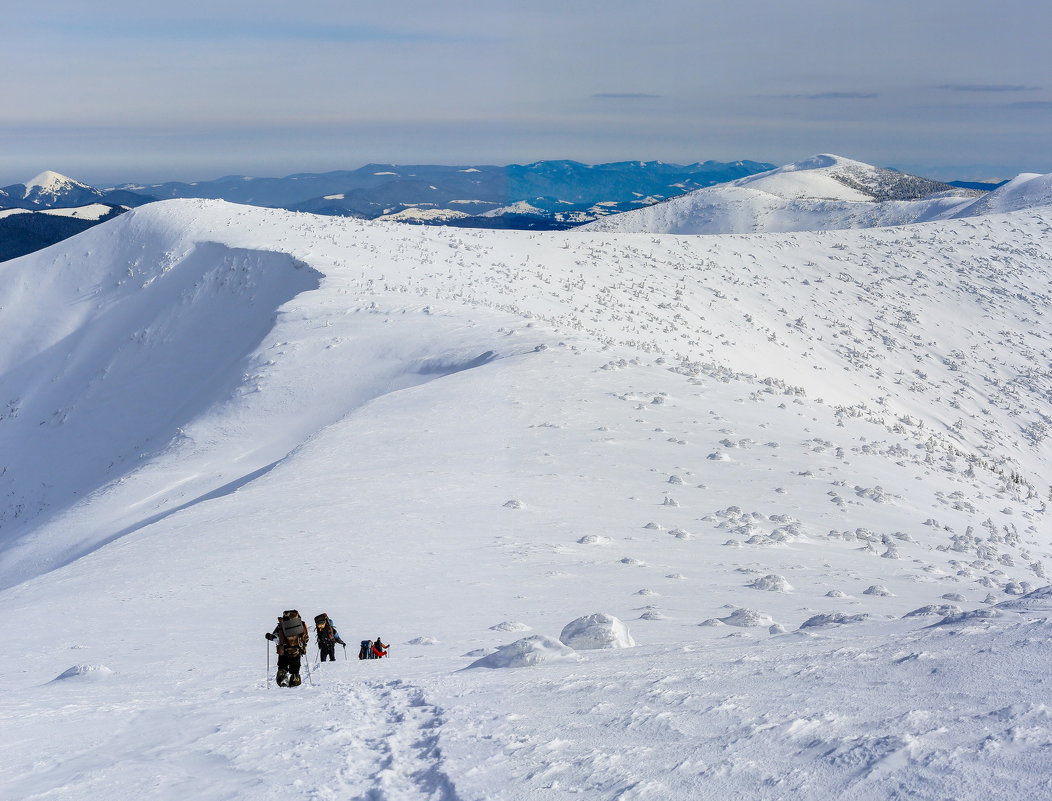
(794,309)
(825,192)
(783,462)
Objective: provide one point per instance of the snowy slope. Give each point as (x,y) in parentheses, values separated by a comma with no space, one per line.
(761,453)
(822,193)
(92,211)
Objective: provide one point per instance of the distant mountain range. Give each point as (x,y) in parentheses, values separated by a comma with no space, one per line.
(823,192)
(545,194)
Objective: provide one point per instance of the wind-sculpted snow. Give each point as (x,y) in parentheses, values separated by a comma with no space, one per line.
(458,441)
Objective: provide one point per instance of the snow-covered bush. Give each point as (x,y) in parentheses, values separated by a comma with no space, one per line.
(771,583)
(533,650)
(877,589)
(84,672)
(942,610)
(595,632)
(833,619)
(510,625)
(746,618)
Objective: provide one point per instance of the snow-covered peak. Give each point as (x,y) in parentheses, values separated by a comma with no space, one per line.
(52,182)
(50,189)
(832,177)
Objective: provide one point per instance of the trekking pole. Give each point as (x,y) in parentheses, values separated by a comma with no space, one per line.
(306,661)
(268,664)
(344,653)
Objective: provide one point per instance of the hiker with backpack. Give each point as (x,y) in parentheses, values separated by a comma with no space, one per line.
(328,637)
(291,636)
(379,649)
(373,649)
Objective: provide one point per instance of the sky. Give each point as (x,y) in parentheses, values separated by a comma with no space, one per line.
(122,90)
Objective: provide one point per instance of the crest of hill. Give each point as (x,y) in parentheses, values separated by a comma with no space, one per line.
(825,192)
(830,177)
(170,280)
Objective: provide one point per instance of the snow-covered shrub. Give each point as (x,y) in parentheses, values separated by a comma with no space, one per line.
(533,650)
(746,618)
(943,610)
(771,583)
(653,614)
(510,625)
(595,632)
(84,672)
(1040,600)
(593,539)
(877,589)
(833,619)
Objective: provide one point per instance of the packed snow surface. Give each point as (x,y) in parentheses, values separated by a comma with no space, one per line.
(785,462)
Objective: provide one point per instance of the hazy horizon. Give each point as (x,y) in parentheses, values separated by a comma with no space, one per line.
(127,93)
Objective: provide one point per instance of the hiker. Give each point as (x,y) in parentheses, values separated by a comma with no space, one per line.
(328,636)
(366,651)
(292,637)
(379,649)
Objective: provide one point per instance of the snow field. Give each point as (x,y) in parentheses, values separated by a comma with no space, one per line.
(456,440)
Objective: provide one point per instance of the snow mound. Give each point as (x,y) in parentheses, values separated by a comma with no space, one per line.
(878,590)
(534,650)
(84,673)
(510,625)
(746,618)
(423,641)
(771,583)
(1040,600)
(593,539)
(833,619)
(975,615)
(596,632)
(942,610)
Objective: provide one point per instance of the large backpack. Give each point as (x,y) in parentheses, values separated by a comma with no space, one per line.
(323,626)
(292,626)
(366,651)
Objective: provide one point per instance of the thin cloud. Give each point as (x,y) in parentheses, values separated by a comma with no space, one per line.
(987,87)
(832,96)
(1032,104)
(623,96)
(218,30)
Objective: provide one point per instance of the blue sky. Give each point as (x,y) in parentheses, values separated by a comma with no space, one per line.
(119,90)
